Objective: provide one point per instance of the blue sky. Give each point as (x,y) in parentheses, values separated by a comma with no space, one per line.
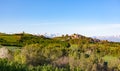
(87,17)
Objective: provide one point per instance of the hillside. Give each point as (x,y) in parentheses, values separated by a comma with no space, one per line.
(22,39)
(27,52)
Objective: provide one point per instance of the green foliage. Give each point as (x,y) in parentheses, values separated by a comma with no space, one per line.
(66,53)
(6,65)
(34,54)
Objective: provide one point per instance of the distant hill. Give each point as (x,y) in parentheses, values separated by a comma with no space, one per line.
(19,39)
(22,39)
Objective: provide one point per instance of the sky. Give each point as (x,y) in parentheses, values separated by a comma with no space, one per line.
(86,17)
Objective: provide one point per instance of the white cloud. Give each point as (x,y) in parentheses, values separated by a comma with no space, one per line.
(84,29)
(92,30)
